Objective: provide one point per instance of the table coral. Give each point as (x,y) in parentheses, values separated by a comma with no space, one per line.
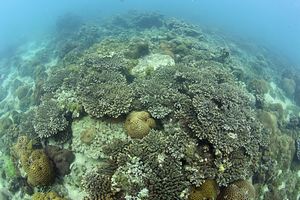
(49,119)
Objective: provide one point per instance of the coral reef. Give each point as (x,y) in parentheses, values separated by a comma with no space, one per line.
(207,190)
(61,158)
(138,124)
(221,112)
(49,119)
(153,108)
(91,136)
(49,195)
(152,167)
(298,148)
(104,90)
(40,169)
(238,190)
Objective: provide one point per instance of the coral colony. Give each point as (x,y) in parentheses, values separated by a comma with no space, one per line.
(142,106)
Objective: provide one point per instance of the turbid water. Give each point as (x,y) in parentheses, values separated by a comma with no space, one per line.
(144,100)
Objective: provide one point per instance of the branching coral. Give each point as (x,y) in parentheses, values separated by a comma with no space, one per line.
(158,94)
(153,168)
(98,185)
(49,119)
(221,116)
(104,90)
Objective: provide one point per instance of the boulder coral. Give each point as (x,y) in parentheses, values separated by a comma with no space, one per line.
(41,170)
(35,162)
(208,190)
(238,190)
(138,124)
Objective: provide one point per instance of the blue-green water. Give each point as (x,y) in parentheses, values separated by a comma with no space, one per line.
(141,100)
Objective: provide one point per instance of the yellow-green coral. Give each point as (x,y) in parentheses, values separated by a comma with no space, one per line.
(36,164)
(47,196)
(138,124)
(208,190)
(40,171)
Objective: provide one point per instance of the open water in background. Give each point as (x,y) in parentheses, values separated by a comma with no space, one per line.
(273,23)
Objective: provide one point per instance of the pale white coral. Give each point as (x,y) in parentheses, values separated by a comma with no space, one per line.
(105,132)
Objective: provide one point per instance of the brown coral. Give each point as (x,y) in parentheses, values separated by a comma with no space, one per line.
(208,190)
(87,135)
(45,196)
(138,124)
(40,171)
(238,190)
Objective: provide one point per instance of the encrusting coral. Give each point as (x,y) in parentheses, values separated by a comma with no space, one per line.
(47,196)
(138,124)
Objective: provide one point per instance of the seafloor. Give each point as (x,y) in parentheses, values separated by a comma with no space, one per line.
(141,106)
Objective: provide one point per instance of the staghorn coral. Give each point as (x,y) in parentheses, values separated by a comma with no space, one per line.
(40,171)
(49,119)
(138,124)
(207,190)
(238,190)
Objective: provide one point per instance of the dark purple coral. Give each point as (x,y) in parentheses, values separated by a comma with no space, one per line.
(62,159)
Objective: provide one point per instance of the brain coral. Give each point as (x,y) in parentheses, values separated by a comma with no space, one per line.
(238,190)
(138,124)
(49,119)
(40,171)
(207,190)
